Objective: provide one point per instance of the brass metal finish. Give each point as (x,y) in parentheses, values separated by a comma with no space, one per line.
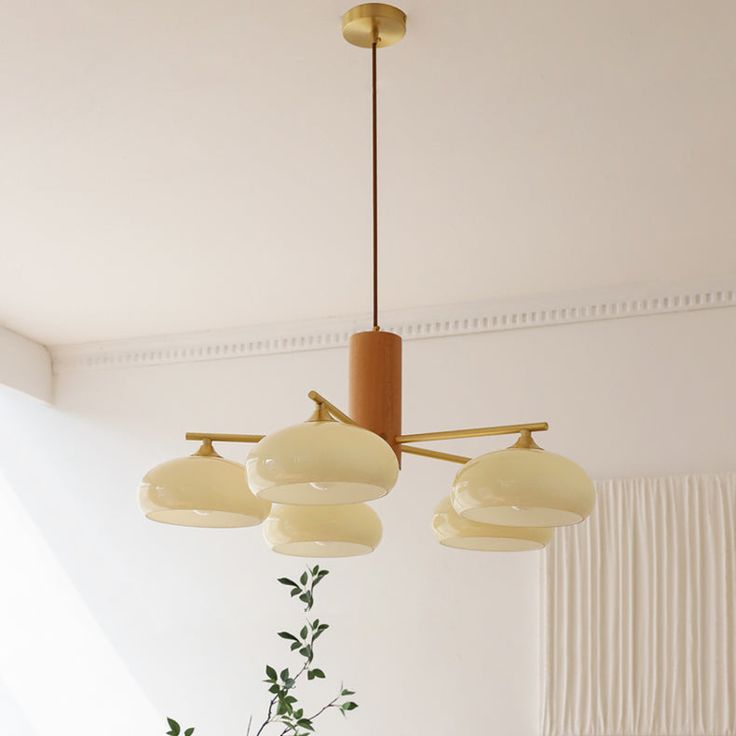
(321,414)
(206,449)
(461,459)
(322,402)
(326,410)
(371,23)
(526,441)
(215,437)
(456,434)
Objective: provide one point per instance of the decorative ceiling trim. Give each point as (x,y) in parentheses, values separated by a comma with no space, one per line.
(414,324)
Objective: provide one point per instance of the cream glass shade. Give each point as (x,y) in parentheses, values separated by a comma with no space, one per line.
(205,491)
(345,530)
(523,487)
(453,531)
(322,462)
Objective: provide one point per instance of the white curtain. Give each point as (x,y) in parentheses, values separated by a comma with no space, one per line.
(639,613)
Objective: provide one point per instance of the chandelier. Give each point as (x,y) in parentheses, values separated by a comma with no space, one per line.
(310,483)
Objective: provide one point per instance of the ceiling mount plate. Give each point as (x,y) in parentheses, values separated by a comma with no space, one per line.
(374,22)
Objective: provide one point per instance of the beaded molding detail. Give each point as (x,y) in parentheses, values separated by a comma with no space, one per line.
(415,324)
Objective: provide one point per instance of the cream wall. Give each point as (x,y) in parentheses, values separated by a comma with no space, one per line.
(25,365)
(436,642)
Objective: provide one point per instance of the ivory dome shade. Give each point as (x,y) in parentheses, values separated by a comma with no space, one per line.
(344,530)
(203,491)
(525,487)
(452,530)
(322,462)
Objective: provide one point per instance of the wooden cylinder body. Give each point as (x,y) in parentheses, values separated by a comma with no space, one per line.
(375,384)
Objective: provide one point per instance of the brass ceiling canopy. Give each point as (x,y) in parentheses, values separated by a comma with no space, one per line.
(371,23)
(312,480)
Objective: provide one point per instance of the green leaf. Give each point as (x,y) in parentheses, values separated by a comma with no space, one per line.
(174,726)
(303,633)
(315,569)
(303,579)
(347,692)
(189,732)
(321,630)
(286,581)
(295,645)
(316,673)
(270,673)
(349,706)
(274,689)
(284,675)
(287,635)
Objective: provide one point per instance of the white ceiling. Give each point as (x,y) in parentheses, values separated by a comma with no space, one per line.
(170,166)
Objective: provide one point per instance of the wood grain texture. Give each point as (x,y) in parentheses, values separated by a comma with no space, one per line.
(375,384)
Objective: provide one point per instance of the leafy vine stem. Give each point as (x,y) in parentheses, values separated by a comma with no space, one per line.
(284,708)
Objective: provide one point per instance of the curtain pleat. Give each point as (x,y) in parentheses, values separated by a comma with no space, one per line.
(639,612)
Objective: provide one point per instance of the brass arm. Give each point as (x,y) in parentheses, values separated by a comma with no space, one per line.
(455,434)
(320,400)
(215,437)
(331,408)
(404,439)
(461,459)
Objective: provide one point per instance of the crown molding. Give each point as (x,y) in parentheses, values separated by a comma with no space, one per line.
(413,324)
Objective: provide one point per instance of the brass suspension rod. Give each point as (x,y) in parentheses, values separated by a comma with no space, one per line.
(456,434)
(215,437)
(461,459)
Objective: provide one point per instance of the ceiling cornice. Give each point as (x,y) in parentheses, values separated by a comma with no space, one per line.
(411,324)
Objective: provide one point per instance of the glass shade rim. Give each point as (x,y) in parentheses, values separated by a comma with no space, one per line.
(243,520)
(526,545)
(266,494)
(559,518)
(360,548)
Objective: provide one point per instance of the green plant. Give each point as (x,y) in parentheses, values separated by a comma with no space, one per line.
(284,709)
